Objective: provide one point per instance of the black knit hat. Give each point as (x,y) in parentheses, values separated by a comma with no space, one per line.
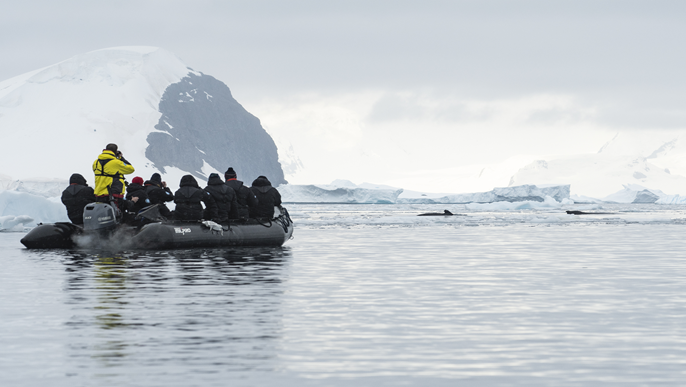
(156,177)
(112,147)
(77,178)
(230,173)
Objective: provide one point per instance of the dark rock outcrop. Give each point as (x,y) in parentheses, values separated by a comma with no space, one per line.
(201,121)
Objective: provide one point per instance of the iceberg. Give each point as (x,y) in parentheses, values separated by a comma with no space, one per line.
(547,203)
(671,199)
(46,188)
(14,223)
(344,191)
(634,193)
(522,193)
(333,194)
(29,209)
(581,199)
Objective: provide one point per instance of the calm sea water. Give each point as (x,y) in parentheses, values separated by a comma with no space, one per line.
(363,296)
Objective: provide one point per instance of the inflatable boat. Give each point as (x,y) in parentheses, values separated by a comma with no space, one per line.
(151,231)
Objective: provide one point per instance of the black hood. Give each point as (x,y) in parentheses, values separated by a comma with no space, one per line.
(77,178)
(215,180)
(134,187)
(264,188)
(156,178)
(234,183)
(188,181)
(261,182)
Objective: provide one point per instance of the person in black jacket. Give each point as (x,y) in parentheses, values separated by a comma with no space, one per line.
(224,196)
(137,190)
(246,199)
(76,196)
(188,198)
(267,196)
(159,193)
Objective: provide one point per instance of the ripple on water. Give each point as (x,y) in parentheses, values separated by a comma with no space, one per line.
(583,304)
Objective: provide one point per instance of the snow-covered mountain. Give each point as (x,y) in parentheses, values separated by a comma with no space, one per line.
(168,118)
(656,162)
(164,116)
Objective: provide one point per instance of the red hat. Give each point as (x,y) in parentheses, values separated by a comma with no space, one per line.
(137,180)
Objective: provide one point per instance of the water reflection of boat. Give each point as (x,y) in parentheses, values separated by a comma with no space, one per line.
(165,234)
(201,304)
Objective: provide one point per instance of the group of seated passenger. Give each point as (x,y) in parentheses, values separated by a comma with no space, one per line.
(224,199)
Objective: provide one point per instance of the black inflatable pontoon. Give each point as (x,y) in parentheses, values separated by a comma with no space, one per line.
(101,226)
(52,236)
(210,234)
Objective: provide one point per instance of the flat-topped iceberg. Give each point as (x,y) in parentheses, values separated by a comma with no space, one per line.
(522,193)
(46,188)
(343,191)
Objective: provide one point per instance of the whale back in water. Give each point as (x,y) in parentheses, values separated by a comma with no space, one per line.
(588,213)
(445,213)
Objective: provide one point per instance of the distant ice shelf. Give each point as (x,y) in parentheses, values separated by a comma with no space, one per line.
(334,194)
(522,193)
(341,191)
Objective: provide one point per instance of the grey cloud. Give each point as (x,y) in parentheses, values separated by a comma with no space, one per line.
(401,107)
(627,52)
(397,108)
(558,116)
(649,117)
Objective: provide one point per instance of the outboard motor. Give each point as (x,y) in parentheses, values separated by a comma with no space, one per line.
(99,217)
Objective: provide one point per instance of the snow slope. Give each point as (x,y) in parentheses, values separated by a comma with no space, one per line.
(656,162)
(64,115)
(599,175)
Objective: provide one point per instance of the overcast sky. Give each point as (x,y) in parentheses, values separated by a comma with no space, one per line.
(391,80)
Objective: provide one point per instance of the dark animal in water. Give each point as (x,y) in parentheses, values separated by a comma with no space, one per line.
(445,213)
(589,213)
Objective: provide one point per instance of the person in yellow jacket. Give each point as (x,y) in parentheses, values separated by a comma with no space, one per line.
(110,168)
